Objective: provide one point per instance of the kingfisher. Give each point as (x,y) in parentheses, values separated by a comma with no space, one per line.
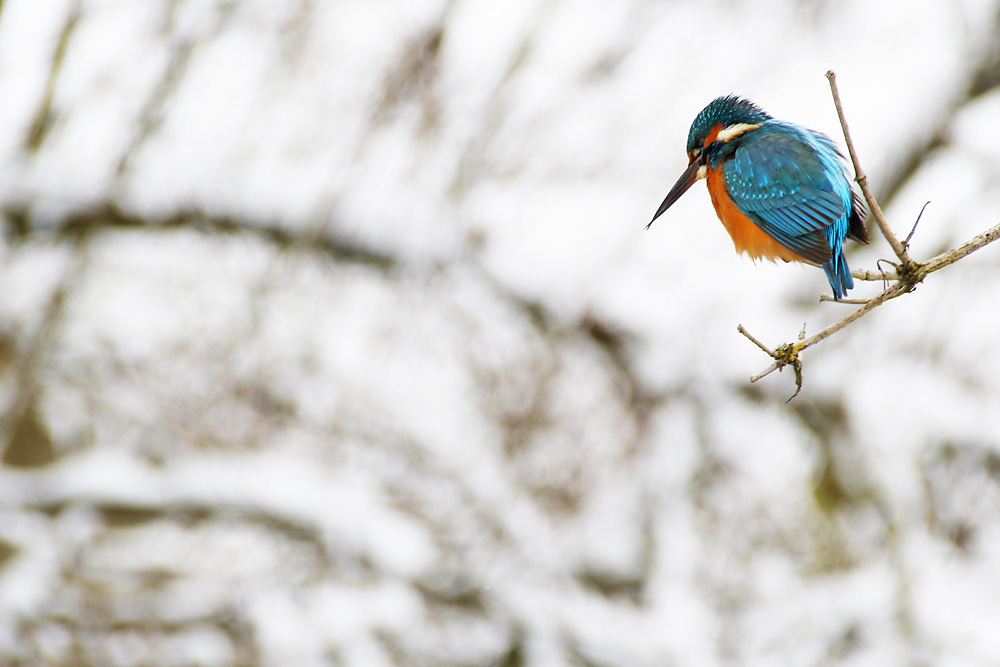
(781,191)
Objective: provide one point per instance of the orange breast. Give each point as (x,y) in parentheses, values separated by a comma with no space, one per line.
(747,236)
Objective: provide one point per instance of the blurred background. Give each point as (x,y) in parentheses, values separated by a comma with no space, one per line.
(330,335)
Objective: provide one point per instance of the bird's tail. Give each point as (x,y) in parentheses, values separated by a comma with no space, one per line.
(839,275)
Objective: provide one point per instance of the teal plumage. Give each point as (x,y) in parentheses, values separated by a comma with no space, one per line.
(787,180)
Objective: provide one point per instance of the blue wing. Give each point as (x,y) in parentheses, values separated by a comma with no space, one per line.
(791,182)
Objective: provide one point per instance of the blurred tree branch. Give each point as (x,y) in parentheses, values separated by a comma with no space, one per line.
(109,216)
(44,118)
(905,275)
(19,425)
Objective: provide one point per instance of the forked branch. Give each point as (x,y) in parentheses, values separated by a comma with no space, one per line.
(904,276)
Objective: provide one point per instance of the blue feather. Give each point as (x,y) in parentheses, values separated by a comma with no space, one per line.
(787,180)
(793,184)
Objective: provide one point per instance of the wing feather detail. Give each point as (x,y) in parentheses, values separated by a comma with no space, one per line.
(791,182)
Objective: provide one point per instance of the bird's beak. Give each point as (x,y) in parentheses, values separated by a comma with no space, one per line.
(687,179)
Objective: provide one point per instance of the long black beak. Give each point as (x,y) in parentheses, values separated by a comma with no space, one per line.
(686,180)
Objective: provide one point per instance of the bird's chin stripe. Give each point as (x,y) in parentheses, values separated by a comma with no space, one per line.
(734,131)
(702,171)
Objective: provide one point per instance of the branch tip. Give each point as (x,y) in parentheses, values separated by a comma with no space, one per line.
(767,350)
(909,237)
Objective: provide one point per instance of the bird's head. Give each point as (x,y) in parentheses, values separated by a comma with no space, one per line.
(713,134)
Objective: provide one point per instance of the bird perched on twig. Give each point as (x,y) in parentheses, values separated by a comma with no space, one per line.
(780,190)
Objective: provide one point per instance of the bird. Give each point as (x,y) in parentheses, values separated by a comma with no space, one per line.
(781,190)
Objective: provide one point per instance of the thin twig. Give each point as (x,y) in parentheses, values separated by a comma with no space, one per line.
(909,237)
(875,276)
(849,302)
(892,292)
(862,180)
(767,371)
(739,327)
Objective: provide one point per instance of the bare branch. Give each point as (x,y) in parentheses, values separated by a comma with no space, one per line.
(862,180)
(739,327)
(767,371)
(875,276)
(944,259)
(849,302)
(789,353)
(904,276)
